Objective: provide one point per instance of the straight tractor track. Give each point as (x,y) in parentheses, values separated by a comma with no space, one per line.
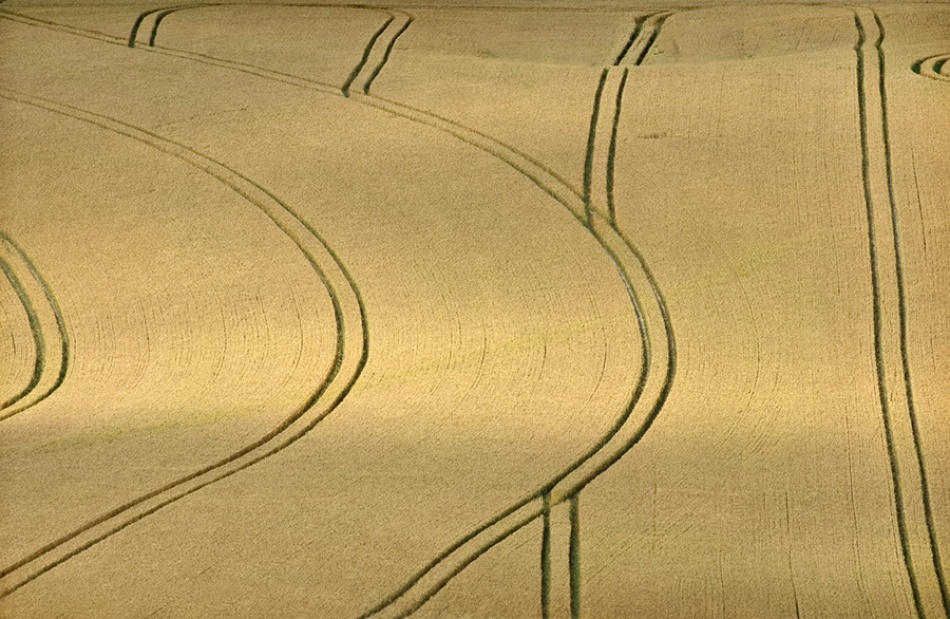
(348,308)
(915,522)
(46,356)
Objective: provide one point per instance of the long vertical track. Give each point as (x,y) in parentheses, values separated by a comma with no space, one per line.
(633,270)
(915,523)
(47,324)
(352,341)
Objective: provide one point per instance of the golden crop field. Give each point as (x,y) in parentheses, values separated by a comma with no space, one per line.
(474,310)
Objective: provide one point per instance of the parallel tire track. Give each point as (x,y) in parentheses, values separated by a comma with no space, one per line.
(407,20)
(366,54)
(326,396)
(476,543)
(515,517)
(608,103)
(46,356)
(915,523)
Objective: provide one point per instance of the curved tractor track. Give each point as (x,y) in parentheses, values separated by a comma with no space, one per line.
(631,267)
(47,325)
(655,377)
(352,341)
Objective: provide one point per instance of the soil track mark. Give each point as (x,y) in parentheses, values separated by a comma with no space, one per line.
(186,55)
(58,27)
(394,26)
(29,292)
(324,399)
(935,67)
(543,176)
(911,493)
(161,17)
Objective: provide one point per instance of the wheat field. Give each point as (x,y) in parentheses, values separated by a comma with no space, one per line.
(474,310)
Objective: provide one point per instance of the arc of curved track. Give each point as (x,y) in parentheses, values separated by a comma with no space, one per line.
(160,14)
(563,193)
(23,400)
(935,67)
(36,331)
(334,386)
(160,17)
(915,523)
(644,35)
